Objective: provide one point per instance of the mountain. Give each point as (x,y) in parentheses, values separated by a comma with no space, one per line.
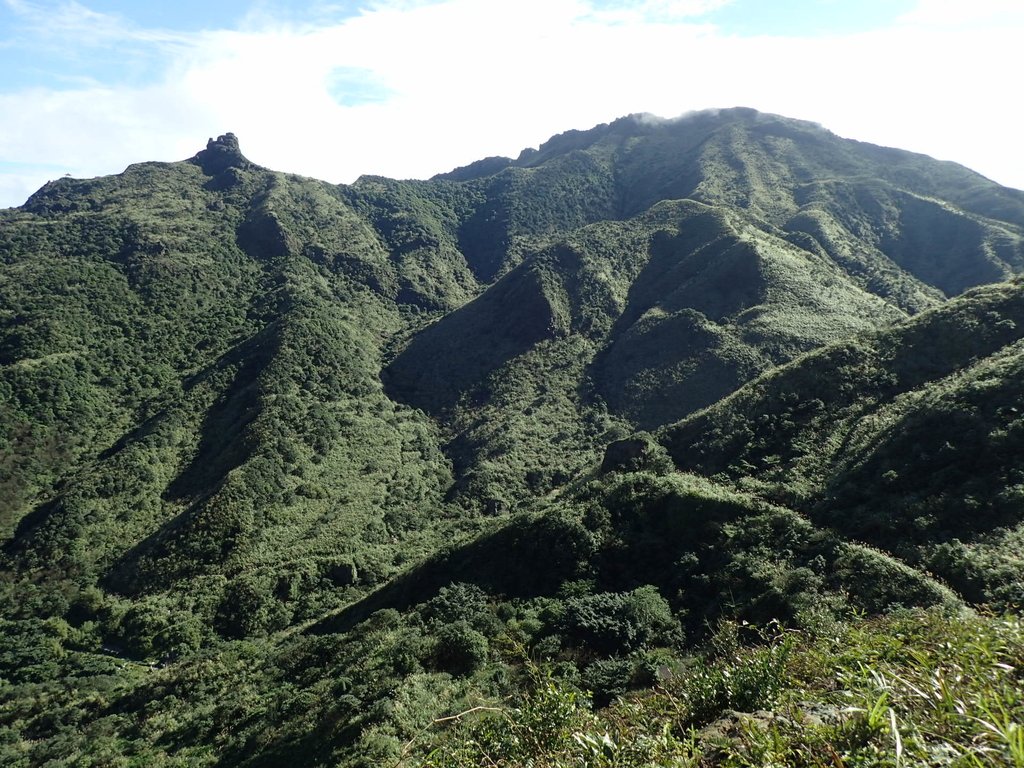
(290,469)
(908,439)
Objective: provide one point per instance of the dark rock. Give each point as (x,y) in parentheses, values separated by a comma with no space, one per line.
(625,455)
(495,507)
(343,574)
(220,154)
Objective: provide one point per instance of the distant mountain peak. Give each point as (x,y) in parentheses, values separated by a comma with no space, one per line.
(721,114)
(633,125)
(639,124)
(220,154)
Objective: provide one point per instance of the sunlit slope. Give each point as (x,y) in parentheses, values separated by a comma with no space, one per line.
(293,472)
(193,352)
(908,439)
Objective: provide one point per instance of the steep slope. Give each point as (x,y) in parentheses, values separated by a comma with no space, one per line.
(329,453)
(800,179)
(788,238)
(193,351)
(908,439)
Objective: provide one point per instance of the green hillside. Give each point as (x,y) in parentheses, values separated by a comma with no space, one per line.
(908,439)
(616,447)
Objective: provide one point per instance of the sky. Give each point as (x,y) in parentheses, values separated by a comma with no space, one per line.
(411,88)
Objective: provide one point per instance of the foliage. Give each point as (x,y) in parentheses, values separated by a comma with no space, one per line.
(913,689)
(906,439)
(611,622)
(300,473)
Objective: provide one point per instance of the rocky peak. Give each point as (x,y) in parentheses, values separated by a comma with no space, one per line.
(220,154)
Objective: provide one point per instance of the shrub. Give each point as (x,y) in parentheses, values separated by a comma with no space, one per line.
(612,622)
(460,649)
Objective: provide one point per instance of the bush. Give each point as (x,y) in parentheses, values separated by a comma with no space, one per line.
(607,679)
(460,649)
(612,622)
(458,602)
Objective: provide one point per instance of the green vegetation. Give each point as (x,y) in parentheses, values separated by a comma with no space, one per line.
(684,442)
(910,689)
(908,439)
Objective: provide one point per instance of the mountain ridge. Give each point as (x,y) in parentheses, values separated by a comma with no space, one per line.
(337,456)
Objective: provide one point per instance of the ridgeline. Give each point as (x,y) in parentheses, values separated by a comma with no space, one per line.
(670,442)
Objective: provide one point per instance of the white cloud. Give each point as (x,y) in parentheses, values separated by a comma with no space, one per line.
(957,13)
(467,79)
(657,10)
(16,187)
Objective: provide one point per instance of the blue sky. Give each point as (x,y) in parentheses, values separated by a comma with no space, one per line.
(807,18)
(409,88)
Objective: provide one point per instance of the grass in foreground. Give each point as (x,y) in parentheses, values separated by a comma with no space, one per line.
(909,689)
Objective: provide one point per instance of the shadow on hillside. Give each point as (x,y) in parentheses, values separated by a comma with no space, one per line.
(523,559)
(222,446)
(454,356)
(666,356)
